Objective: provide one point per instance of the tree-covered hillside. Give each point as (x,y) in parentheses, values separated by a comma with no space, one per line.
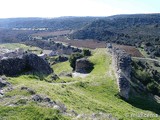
(60,23)
(141,30)
(123,29)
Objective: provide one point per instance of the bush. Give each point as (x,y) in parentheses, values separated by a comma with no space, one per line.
(86,52)
(73,58)
(153,88)
(156,64)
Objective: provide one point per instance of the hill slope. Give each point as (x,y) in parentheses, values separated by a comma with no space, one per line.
(60,23)
(94,94)
(124,29)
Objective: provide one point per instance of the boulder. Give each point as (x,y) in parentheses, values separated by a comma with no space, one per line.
(37,98)
(3,83)
(64,73)
(29,90)
(83,65)
(46,99)
(60,106)
(54,77)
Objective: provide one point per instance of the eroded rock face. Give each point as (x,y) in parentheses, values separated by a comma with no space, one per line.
(122,66)
(83,66)
(37,64)
(123,84)
(12,66)
(27,62)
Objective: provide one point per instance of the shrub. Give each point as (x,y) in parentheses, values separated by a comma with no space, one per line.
(156,64)
(86,52)
(153,88)
(73,58)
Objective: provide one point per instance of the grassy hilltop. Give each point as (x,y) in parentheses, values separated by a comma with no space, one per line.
(98,92)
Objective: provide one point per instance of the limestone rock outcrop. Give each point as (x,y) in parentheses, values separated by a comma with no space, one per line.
(27,62)
(83,65)
(37,64)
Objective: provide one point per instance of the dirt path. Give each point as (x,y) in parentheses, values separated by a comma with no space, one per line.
(150,59)
(67,83)
(75,74)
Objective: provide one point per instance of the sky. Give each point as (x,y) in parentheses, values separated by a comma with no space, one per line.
(57,8)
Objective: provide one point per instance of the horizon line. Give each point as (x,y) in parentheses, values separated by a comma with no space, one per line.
(77,16)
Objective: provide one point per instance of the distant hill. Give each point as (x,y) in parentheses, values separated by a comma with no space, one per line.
(123,29)
(60,23)
(8,35)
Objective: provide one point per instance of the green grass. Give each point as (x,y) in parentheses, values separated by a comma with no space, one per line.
(62,67)
(151,63)
(31,112)
(148,61)
(13,46)
(95,93)
(143,52)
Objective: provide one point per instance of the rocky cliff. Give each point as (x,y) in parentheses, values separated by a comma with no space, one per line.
(122,66)
(24,63)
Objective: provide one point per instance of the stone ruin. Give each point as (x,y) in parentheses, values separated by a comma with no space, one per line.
(16,62)
(122,66)
(57,48)
(83,65)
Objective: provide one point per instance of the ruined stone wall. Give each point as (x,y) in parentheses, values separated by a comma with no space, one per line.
(51,45)
(83,65)
(122,66)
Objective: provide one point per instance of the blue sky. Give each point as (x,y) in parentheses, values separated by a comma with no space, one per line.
(56,8)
